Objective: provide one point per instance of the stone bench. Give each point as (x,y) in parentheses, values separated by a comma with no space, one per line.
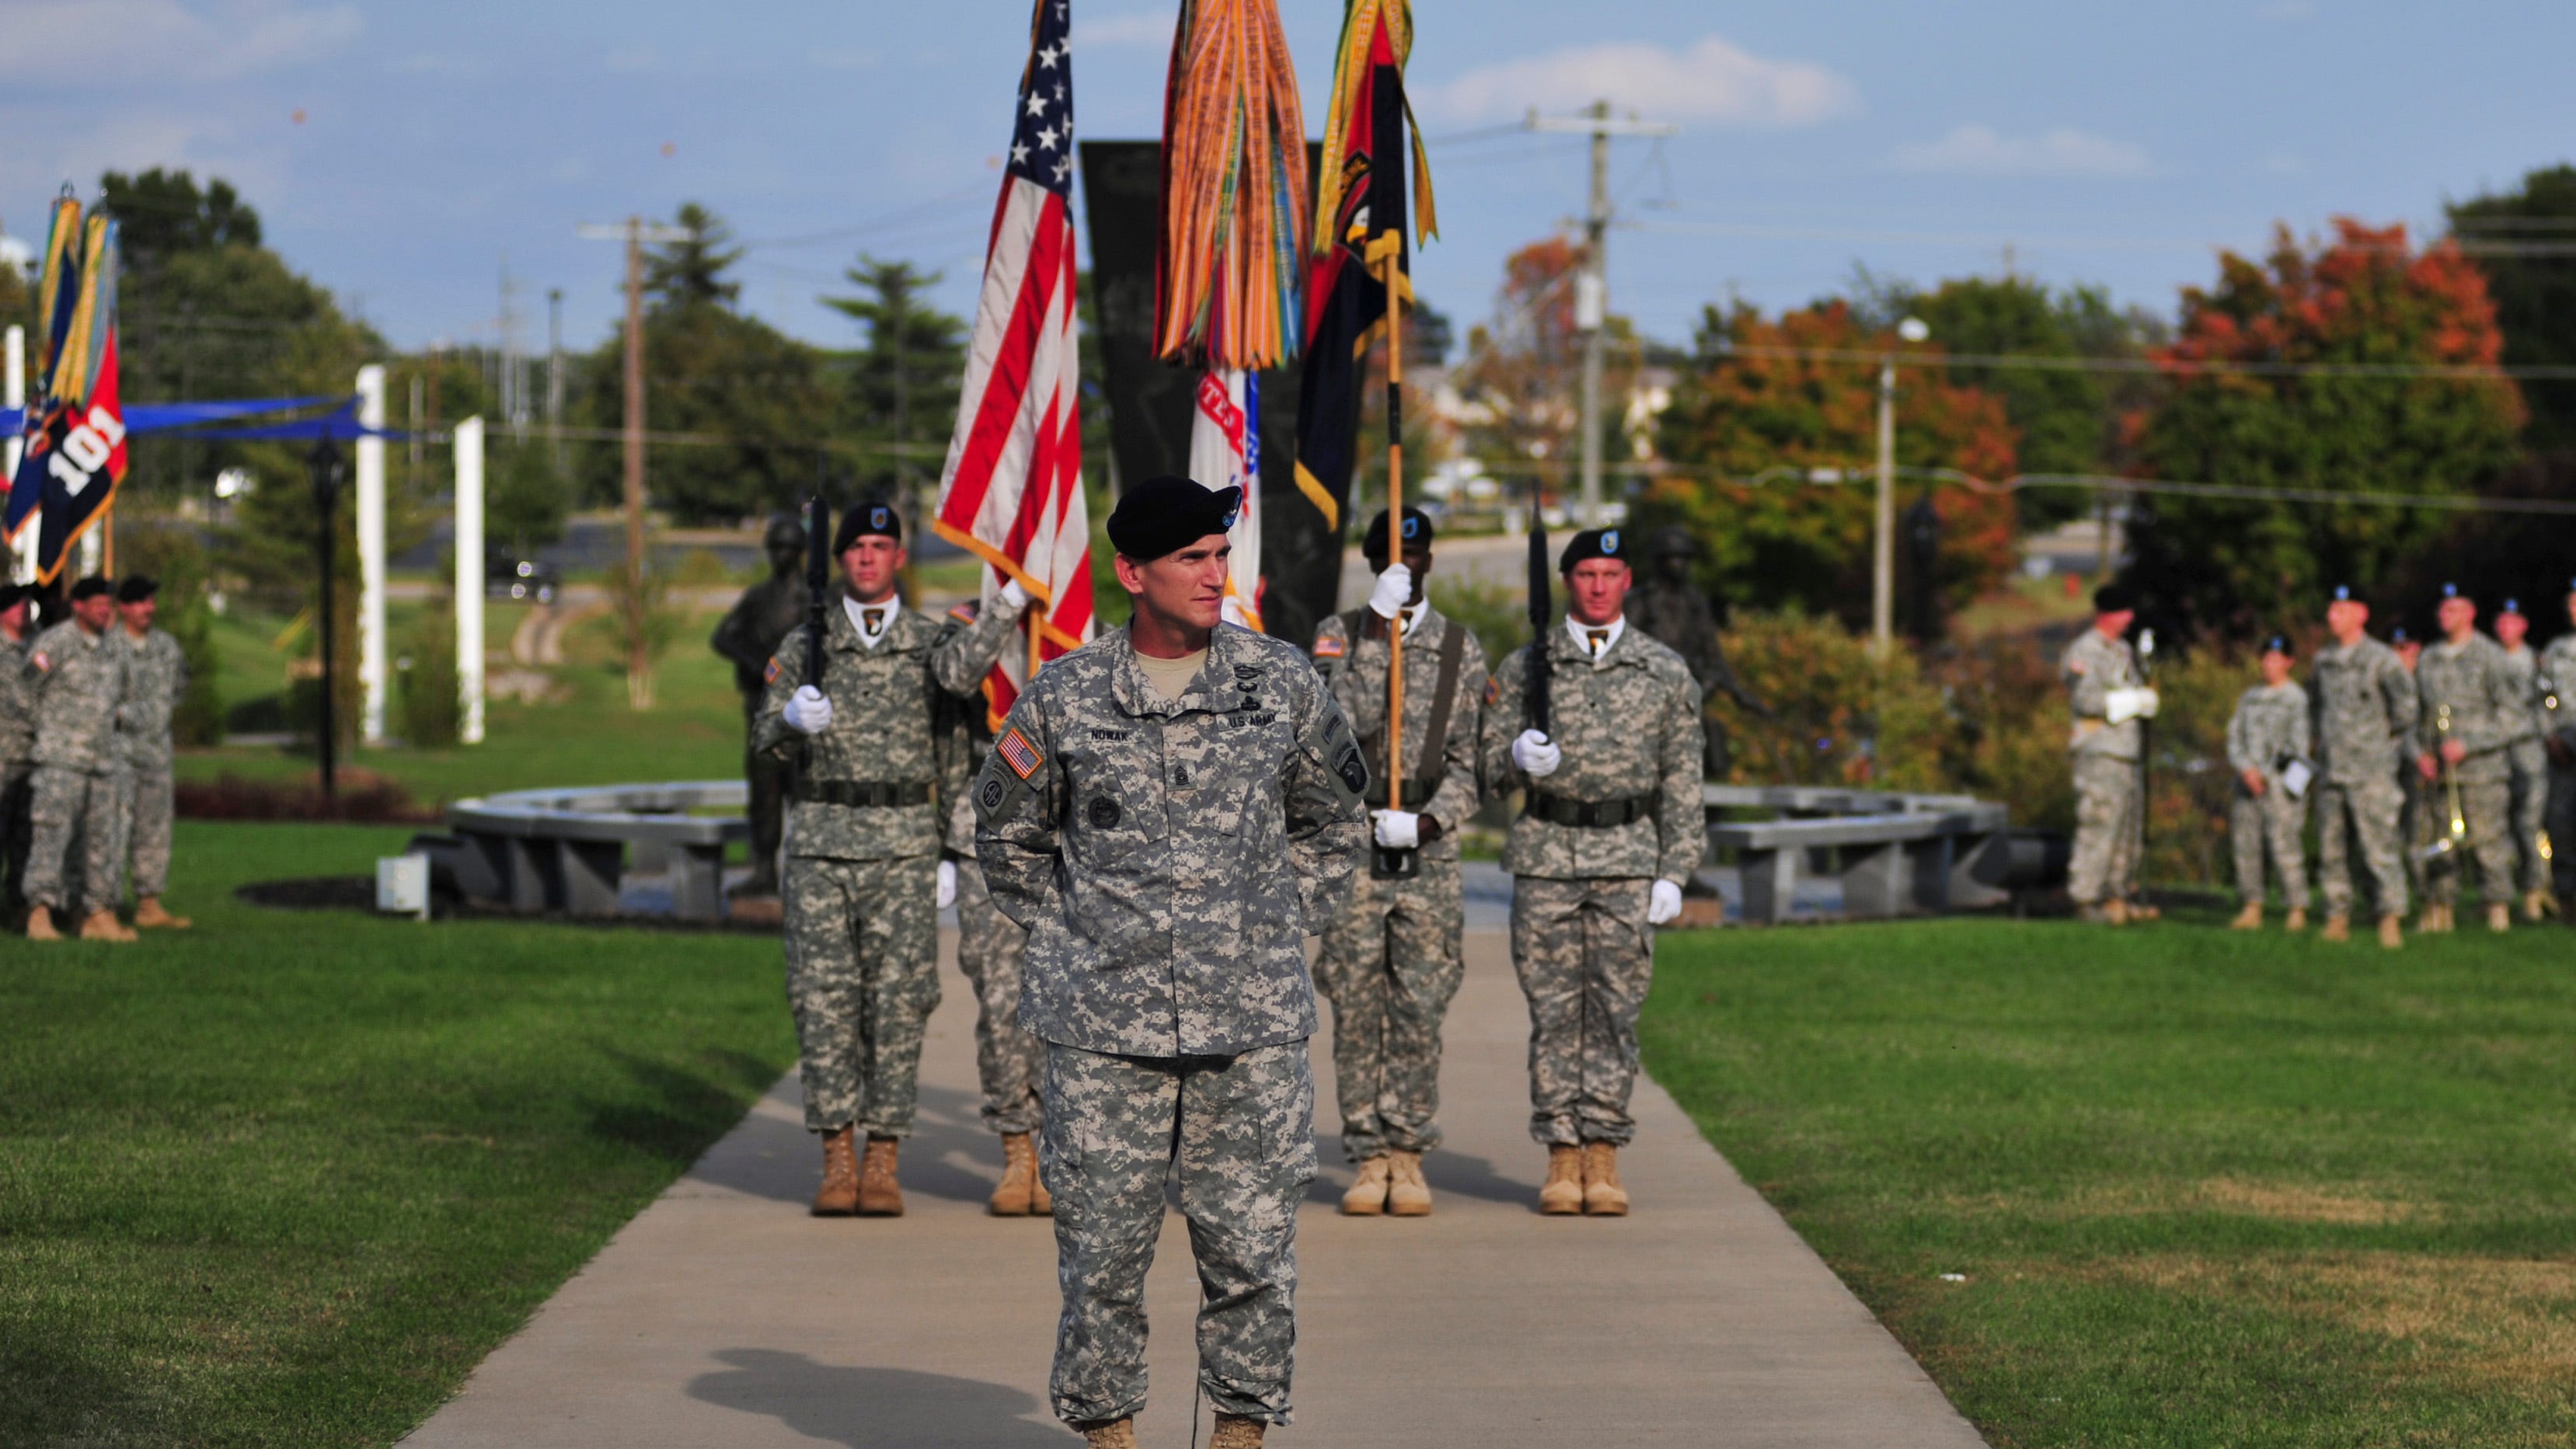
(568,851)
(1894,854)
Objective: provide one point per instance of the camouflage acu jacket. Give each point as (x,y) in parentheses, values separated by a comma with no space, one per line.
(2486,698)
(2363,705)
(2554,692)
(156,677)
(895,722)
(1630,729)
(2094,666)
(18,687)
(1356,673)
(2270,726)
(2525,664)
(76,705)
(1169,857)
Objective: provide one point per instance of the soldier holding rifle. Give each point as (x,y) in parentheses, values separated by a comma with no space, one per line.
(2469,686)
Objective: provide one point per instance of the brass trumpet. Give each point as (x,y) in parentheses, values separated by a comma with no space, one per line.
(2456,838)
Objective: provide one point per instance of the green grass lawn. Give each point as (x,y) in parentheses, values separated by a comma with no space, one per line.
(2204,1188)
(285,1179)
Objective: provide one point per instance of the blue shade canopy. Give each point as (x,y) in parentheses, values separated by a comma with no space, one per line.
(198,419)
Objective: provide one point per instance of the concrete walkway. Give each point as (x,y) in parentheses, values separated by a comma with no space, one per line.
(723,1315)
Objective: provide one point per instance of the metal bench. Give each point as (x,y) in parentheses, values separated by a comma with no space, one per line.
(1893,854)
(568,851)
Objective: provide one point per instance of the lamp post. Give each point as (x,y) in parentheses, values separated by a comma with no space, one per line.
(1882,574)
(324,467)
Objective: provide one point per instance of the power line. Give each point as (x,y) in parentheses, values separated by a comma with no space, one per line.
(2535,372)
(1988,242)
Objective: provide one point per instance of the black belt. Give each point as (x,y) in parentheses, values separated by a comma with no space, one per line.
(863,794)
(1589,814)
(1417,792)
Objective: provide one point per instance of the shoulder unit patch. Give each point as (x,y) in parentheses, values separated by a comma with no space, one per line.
(770,675)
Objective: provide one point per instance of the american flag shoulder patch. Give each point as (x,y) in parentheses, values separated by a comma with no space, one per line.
(1493,688)
(1018,753)
(1330,646)
(964,613)
(770,675)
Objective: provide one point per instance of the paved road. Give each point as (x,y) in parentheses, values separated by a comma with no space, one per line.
(724,1315)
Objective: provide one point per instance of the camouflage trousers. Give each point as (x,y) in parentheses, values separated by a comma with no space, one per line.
(2414,828)
(2270,821)
(143,811)
(2561,820)
(2486,805)
(1585,957)
(2530,809)
(17,831)
(1008,1061)
(2359,819)
(70,810)
(1236,1137)
(2105,864)
(1390,966)
(862,977)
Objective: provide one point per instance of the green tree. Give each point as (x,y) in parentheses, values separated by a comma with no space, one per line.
(692,270)
(160,212)
(750,402)
(904,382)
(2534,290)
(2366,297)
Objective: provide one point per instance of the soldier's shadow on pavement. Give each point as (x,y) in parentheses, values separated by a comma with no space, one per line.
(876,1408)
(1447,1172)
(776,1158)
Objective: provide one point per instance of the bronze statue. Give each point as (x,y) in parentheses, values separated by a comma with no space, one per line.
(764,615)
(1669,607)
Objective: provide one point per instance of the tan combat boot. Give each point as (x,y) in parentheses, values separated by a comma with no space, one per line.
(1407,1195)
(102,925)
(2499,916)
(2297,919)
(2539,905)
(2428,922)
(1603,1197)
(2248,919)
(839,1195)
(150,915)
(1367,1197)
(1234,1431)
(1041,1202)
(2116,912)
(40,924)
(2392,931)
(1109,1434)
(2338,928)
(1562,1194)
(1019,1178)
(2144,911)
(879,1195)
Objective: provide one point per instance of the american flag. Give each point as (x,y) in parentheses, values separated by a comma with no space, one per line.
(1012,491)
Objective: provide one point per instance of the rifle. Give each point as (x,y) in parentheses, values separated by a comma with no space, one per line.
(2146,763)
(1542,603)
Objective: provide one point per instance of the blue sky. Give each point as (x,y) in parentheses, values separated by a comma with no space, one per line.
(2117,144)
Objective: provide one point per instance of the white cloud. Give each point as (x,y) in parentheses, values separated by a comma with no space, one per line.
(166,40)
(1980,150)
(1120,32)
(49,148)
(1713,80)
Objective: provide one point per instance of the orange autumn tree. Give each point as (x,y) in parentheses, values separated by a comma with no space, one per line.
(1743,407)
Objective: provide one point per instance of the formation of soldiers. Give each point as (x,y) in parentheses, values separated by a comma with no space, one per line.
(1148,839)
(86,707)
(2421,764)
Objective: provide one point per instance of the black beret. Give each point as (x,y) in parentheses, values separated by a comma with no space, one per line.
(1417,533)
(1607,543)
(91,588)
(1164,515)
(2113,599)
(137,588)
(2450,592)
(12,595)
(2343,594)
(873,515)
(2277,644)
(2511,606)
(2398,635)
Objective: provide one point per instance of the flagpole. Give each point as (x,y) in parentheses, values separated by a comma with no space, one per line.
(1389,247)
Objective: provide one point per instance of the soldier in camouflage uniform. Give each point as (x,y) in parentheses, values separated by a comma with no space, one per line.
(156,679)
(2365,708)
(990,950)
(2530,763)
(2266,736)
(2475,701)
(1391,959)
(2555,713)
(880,742)
(17,746)
(1170,811)
(77,755)
(2110,697)
(1612,828)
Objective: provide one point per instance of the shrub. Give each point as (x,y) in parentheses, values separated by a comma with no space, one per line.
(1844,716)
(432,708)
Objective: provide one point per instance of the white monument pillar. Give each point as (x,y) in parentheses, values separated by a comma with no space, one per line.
(372,661)
(469,578)
(13,393)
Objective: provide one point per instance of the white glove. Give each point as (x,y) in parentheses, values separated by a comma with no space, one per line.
(1394,589)
(2120,706)
(1663,903)
(2147,702)
(1014,598)
(1537,756)
(1397,829)
(808,712)
(947,885)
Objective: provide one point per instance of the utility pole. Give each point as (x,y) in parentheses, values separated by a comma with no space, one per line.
(1592,285)
(555,375)
(634,232)
(1882,564)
